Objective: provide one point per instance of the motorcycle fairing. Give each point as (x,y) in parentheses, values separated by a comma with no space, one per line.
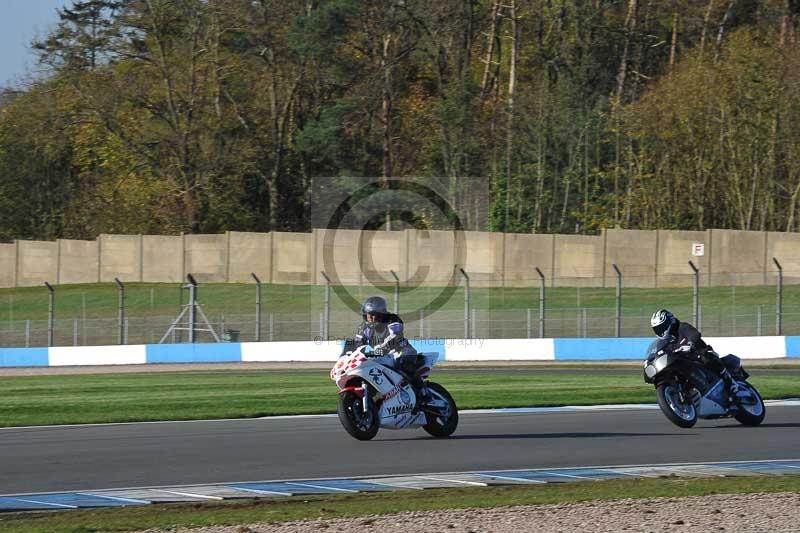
(398,396)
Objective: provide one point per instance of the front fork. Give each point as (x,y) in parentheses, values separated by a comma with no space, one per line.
(365,399)
(681,394)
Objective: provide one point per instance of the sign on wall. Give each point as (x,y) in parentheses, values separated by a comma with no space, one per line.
(698,249)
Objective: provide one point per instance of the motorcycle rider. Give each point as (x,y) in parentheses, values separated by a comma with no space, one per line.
(686,339)
(383,331)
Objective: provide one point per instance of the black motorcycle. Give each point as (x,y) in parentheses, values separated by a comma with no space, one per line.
(687,390)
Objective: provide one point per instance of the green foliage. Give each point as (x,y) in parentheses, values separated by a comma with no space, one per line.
(186,115)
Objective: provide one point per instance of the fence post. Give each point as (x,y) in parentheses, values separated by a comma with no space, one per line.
(51,311)
(618,315)
(466,304)
(192,306)
(529,322)
(541,302)
(396,293)
(696,295)
(584,323)
(258,306)
(271,326)
(758,320)
(474,326)
(779,298)
(327,311)
(121,312)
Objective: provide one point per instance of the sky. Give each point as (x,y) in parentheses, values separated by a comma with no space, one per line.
(20,22)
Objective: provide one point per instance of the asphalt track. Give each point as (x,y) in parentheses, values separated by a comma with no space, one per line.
(76,458)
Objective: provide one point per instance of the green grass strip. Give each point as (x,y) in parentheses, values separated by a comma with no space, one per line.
(198,395)
(355,505)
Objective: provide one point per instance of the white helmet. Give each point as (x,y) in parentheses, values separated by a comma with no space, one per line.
(661,322)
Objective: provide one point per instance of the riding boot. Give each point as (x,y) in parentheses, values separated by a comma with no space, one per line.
(734,392)
(420,391)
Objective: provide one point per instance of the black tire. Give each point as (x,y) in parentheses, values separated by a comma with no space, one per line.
(751,415)
(683,415)
(438,425)
(360,425)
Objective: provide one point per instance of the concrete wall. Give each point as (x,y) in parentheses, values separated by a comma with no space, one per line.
(120,257)
(634,252)
(433,257)
(8,264)
(646,258)
(162,258)
(485,258)
(206,257)
(674,254)
(578,261)
(249,253)
(37,262)
(338,253)
(737,257)
(78,261)
(523,253)
(785,247)
(381,253)
(293,258)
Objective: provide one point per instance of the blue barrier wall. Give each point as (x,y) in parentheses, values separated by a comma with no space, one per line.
(24,357)
(194,353)
(792,346)
(601,349)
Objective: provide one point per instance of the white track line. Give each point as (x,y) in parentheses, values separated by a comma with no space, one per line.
(117,498)
(335,489)
(191,495)
(47,503)
(526,480)
(464,482)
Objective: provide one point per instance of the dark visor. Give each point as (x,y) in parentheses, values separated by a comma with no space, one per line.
(662,328)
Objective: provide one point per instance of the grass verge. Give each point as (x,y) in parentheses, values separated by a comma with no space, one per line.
(198,395)
(339,506)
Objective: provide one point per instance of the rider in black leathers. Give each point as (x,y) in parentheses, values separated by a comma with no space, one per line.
(383,331)
(686,339)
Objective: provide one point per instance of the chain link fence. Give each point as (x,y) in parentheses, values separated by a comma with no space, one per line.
(146,313)
(495,324)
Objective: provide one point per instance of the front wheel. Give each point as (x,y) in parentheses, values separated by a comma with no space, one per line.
(441,413)
(751,409)
(361,425)
(676,405)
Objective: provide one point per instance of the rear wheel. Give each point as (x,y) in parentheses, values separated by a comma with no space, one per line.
(676,405)
(358,423)
(442,419)
(751,409)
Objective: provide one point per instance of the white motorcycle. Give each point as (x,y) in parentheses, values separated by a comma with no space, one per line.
(372,394)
